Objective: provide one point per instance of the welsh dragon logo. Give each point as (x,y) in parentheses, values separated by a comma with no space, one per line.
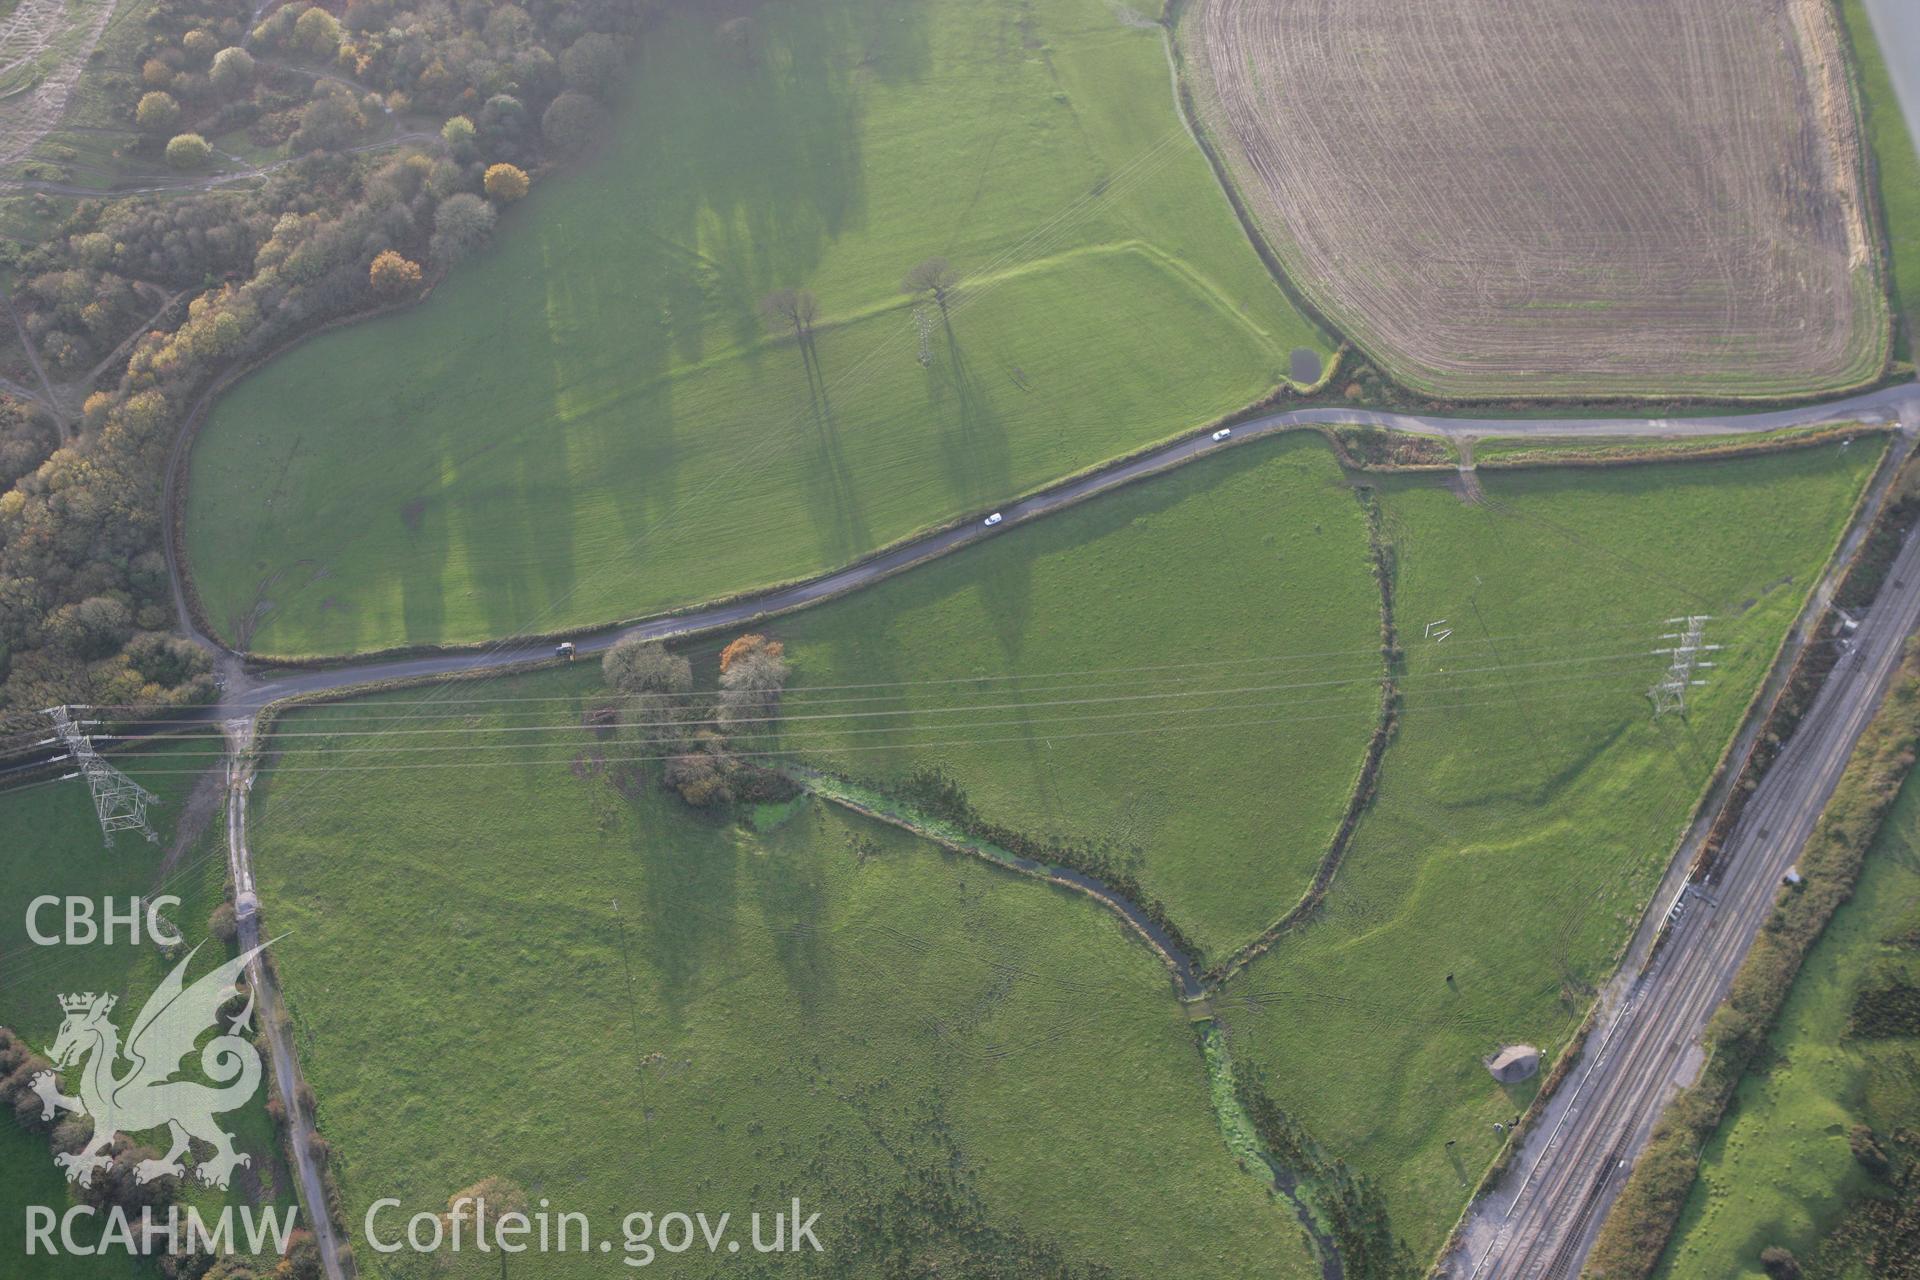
(148,1093)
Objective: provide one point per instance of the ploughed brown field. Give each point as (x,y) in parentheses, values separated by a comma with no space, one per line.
(1560,197)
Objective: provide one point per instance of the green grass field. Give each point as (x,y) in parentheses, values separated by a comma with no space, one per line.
(64,856)
(589,423)
(1779,1171)
(1528,803)
(1897,165)
(544,972)
(1025,670)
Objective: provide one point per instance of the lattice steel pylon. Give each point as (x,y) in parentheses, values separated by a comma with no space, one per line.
(119,802)
(923,328)
(1685,658)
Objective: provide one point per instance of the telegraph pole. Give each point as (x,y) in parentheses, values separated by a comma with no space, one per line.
(119,802)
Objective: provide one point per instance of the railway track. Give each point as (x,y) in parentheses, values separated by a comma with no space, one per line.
(1542,1224)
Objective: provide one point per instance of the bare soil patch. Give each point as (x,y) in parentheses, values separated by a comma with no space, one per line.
(196,815)
(1553,196)
(43,49)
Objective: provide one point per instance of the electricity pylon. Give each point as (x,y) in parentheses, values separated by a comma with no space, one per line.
(1685,658)
(119,802)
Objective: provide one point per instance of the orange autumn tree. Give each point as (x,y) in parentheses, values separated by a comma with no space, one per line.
(392,274)
(505,183)
(751,643)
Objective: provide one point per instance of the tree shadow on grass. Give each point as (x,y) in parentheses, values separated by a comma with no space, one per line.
(752,159)
(689,893)
(750,166)
(533,509)
(792,895)
(423,581)
(977,459)
(833,495)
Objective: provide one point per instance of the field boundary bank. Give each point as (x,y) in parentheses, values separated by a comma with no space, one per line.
(1710,449)
(195,606)
(1360,799)
(309,1159)
(1838,567)
(1192,991)
(1170,17)
(1040,492)
(1854,538)
(1639,1228)
(876,805)
(1904,323)
(1867,167)
(1243,1139)
(1874,374)
(1113,901)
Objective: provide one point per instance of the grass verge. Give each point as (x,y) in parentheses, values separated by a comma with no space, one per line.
(1896,165)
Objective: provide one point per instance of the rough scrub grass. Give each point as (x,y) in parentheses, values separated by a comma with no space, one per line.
(552,971)
(1527,803)
(1896,165)
(591,422)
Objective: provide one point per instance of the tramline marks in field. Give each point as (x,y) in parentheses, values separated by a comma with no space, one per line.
(1549,196)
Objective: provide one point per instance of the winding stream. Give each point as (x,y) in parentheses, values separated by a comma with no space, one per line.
(1236,1128)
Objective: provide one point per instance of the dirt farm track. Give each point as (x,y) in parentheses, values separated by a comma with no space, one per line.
(1555,196)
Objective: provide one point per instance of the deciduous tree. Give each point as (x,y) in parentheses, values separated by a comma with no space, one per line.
(571,123)
(199,46)
(458,134)
(157,112)
(461,225)
(318,32)
(751,682)
(792,309)
(933,278)
(392,275)
(188,151)
(635,665)
(592,64)
(505,182)
(750,643)
(232,71)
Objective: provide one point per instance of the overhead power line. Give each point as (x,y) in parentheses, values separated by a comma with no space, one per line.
(119,802)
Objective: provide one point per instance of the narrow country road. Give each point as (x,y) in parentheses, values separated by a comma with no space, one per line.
(1540,1222)
(1668,999)
(245,694)
(286,1066)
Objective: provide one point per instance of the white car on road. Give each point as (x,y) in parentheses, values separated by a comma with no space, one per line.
(1223,433)
(993,520)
